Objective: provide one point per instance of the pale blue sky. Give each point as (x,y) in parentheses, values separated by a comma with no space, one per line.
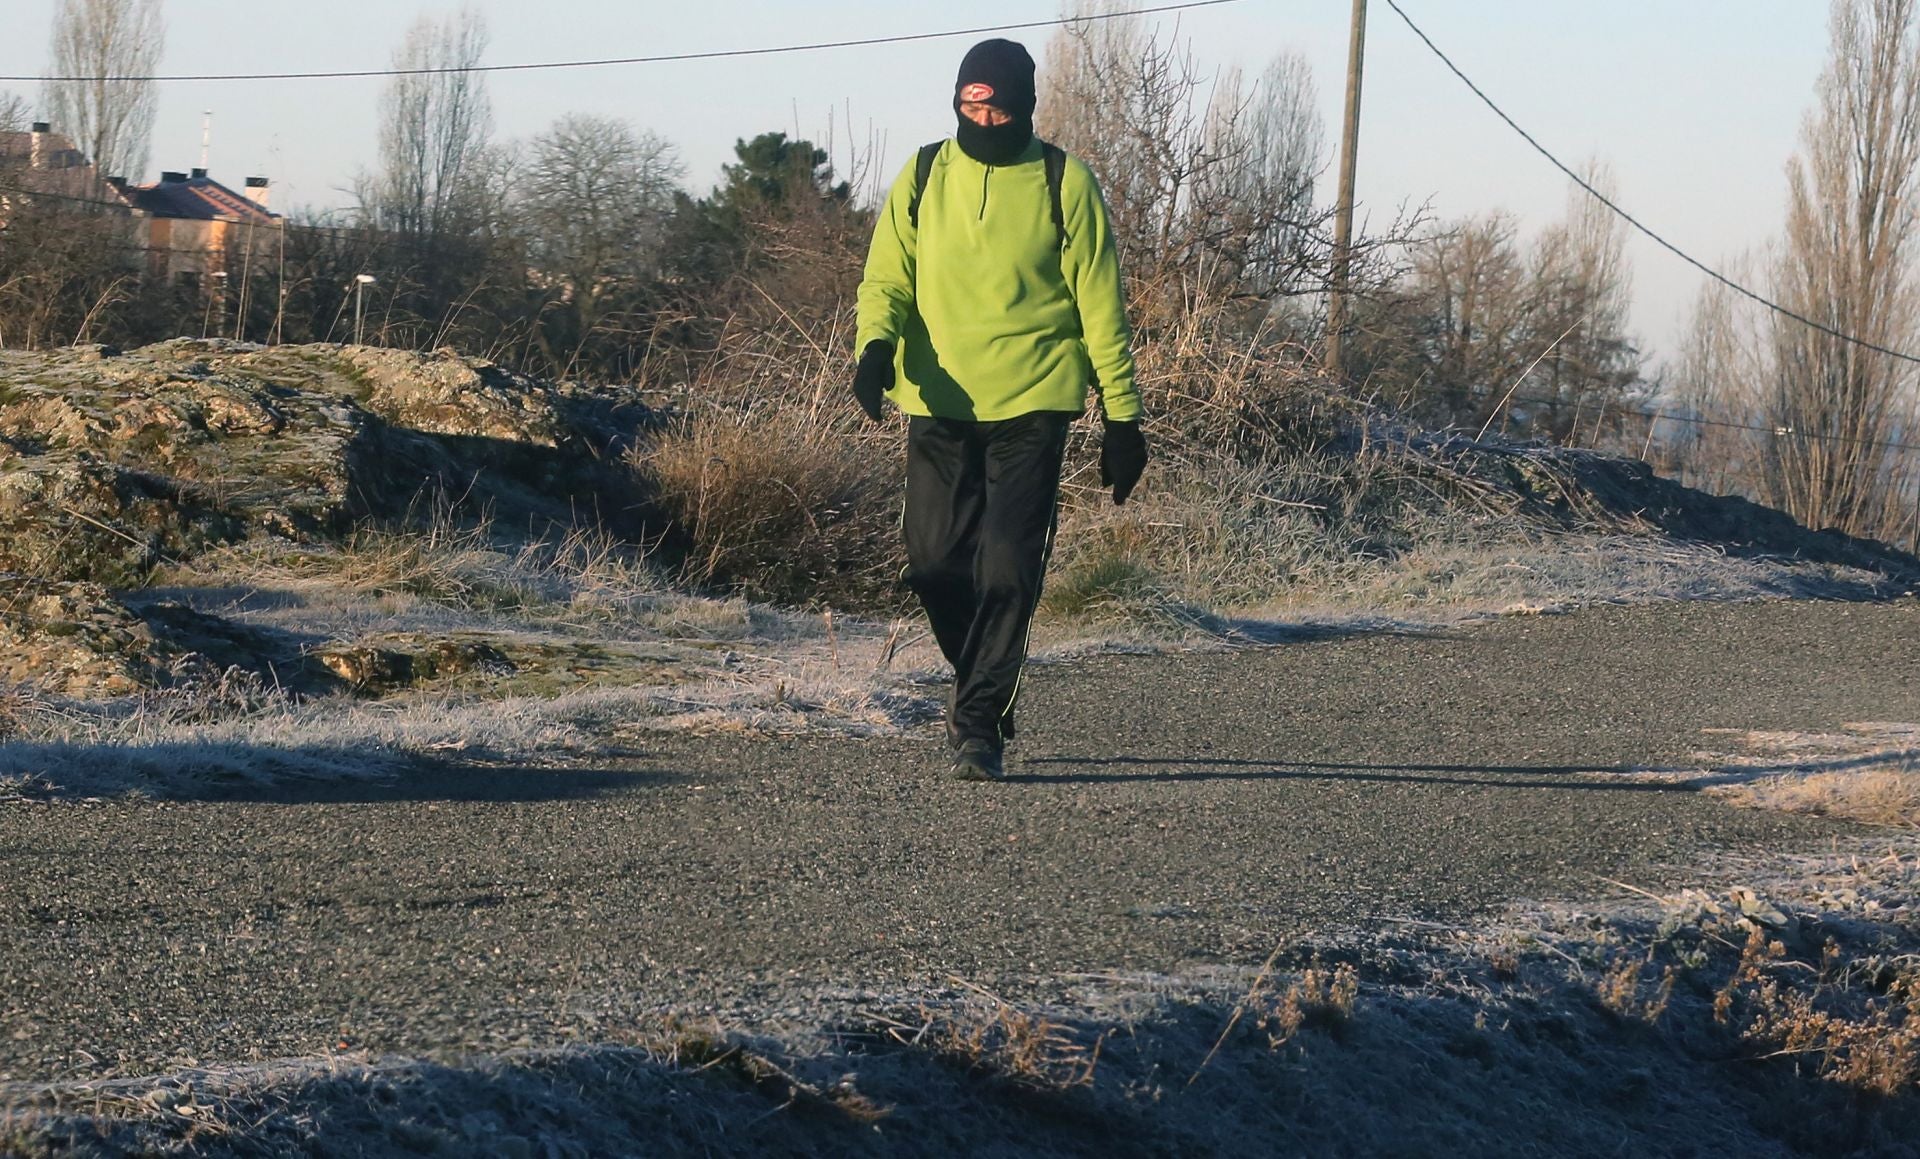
(1695,103)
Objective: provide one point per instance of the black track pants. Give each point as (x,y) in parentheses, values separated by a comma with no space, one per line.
(979,522)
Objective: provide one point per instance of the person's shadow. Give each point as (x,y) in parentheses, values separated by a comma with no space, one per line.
(1127,770)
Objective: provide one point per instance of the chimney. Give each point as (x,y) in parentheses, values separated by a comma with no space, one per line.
(171,176)
(257,191)
(37,155)
(199,174)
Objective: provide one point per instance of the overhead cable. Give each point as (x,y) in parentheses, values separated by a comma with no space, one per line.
(663,58)
(1603,199)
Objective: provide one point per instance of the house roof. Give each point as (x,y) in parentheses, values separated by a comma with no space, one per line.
(196,198)
(63,170)
(57,150)
(60,168)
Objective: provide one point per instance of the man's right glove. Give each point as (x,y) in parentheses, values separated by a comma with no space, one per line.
(874,376)
(1123,456)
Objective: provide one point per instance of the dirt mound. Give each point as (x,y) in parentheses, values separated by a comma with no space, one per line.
(1565,489)
(113,462)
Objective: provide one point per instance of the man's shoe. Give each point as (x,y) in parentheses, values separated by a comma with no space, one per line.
(978,760)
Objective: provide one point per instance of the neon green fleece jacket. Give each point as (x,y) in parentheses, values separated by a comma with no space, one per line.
(990,316)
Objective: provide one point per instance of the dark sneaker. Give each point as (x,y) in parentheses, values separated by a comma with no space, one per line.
(978,760)
(955,737)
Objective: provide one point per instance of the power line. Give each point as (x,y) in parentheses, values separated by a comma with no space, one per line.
(1635,222)
(664,58)
(1696,420)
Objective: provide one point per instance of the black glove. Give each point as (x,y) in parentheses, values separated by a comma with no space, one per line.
(873,377)
(1123,456)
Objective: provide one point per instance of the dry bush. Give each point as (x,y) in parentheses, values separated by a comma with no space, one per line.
(1855,1022)
(775,485)
(1266,483)
(1624,991)
(986,1034)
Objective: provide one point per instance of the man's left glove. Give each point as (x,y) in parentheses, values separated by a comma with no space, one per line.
(874,376)
(1123,457)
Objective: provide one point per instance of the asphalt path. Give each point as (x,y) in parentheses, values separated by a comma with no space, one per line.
(1166,812)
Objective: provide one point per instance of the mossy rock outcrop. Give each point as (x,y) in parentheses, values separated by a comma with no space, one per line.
(75,639)
(112,462)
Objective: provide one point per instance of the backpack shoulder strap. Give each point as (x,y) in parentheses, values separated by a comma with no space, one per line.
(1055,159)
(922,167)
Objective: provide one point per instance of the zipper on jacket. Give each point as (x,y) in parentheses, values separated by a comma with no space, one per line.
(983,192)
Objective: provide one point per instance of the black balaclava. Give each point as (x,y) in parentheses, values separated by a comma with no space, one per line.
(997,73)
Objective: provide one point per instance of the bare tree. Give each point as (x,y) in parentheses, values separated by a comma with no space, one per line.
(1473,312)
(1849,260)
(434,127)
(13,112)
(1485,329)
(1582,289)
(1209,180)
(1250,206)
(1830,408)
(594,204)
(96,41)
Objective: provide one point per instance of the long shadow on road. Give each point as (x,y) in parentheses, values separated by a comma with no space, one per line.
(233,774)
(1225,769)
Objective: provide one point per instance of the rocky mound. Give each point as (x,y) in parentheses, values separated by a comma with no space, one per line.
(113,462)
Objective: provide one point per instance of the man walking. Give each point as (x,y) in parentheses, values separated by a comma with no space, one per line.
(991,302)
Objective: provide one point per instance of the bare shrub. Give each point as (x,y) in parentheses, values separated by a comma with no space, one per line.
(1625,992)
(1489,329)
(781,503)
(1855,1027)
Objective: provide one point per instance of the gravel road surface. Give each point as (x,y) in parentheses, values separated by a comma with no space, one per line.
(1166,812)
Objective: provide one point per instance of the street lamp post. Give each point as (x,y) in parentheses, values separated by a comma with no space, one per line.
(360,283)
(219,290)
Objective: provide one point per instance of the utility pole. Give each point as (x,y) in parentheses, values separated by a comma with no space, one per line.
(1337,299)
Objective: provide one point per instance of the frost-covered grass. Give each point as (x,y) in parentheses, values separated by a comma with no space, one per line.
(674,660)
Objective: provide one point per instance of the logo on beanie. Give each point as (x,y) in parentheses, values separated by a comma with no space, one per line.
(977,92)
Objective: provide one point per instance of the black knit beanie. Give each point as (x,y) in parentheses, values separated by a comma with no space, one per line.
(999,73)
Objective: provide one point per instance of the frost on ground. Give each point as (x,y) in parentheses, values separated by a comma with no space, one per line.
(299,663)
(1767,1010)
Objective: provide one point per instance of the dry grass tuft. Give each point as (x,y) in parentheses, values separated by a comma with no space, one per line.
(17,703)
(781,503)
(985,1034)
(1625,992)
(443,561)
(773,484)
(1320,999)
(701,1049)
(1864,772)
(1888,796)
